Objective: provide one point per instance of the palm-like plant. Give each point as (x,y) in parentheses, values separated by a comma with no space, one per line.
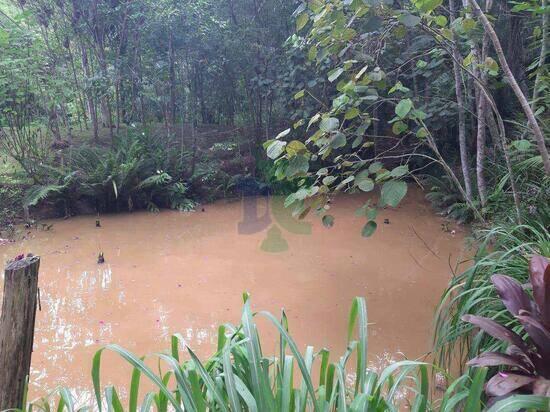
(526,361)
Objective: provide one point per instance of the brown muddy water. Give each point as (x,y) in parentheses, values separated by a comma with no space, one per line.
(185,272)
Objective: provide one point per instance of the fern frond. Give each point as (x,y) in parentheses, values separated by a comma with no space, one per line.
(35,194)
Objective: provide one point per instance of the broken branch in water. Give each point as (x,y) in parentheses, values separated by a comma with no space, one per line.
(423,241)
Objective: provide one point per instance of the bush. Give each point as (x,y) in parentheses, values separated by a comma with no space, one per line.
(502,249)
(137,172)
(526,362)
(10,202)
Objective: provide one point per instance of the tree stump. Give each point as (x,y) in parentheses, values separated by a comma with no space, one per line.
(17,329)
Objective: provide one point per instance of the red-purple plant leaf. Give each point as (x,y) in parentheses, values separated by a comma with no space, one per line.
(496,330)
(505,382)
(512,294)
(501,359)
(541,338)
(539,269)
(516,352)
(541,387)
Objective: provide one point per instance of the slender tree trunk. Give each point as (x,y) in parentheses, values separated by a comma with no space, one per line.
(172,75)
(89,94)
(461,114)
(117,102)
(537,132)
(78,88)
(99,37)
(542,56)
(492,126)
(481,121)
(501,140)
(502,143)
(480,149)
(433,146)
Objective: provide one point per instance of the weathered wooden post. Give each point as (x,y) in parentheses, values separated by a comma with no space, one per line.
(17,328)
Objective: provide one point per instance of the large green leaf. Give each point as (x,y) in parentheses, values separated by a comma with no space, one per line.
(521,402)
(334,74)
(409,20)
(338,140)
(427,6)
(328,124)
(369,228)
(297,165)
(275,149)
(403,107)
(364,182)
(301,21)
(393,191)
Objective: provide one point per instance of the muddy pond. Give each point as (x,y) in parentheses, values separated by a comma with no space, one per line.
(174,272)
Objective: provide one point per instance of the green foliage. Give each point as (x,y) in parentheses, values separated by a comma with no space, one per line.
(444,197)
(10,204)
(333,153)
(526,359)
(36,194)
(502,249)
(129,175)
(240,377)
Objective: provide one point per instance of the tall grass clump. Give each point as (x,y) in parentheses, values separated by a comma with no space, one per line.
(503,249)
(240,377)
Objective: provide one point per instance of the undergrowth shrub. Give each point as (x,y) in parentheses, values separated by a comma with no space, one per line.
(503,249)
(532,183)
(138,171)
(10,203)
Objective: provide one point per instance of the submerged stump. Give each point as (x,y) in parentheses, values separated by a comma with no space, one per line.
(17,329)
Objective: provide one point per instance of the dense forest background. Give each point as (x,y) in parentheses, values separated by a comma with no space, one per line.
(195,88)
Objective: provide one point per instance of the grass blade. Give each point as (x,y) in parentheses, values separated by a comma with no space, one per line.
(210,384)
(359,309)
(473,402)
(287,383)
(229,378)
(521,402)
(301,363)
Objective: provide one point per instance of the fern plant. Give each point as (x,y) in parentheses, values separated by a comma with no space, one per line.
(59,189)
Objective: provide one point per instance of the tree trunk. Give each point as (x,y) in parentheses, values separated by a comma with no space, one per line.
(17,329)
(89,94)
(480,149)
(78,88)
(537,132)
(461,114)
(99,38)
(171,64)
(542,56)
(481,120)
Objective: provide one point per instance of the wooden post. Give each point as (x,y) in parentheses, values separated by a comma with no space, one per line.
(17,329)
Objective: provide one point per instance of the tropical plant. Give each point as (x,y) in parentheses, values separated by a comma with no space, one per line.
(61,187)
(444,197)
(177,195)
(527,360)
(128,175)
(504,248)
